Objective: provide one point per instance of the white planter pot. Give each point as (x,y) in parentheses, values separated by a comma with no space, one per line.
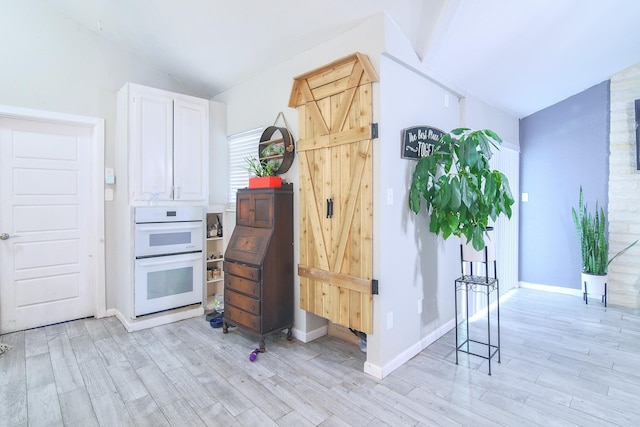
(470,254)
(595,285)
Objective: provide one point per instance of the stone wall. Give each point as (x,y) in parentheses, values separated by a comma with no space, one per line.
(624,190)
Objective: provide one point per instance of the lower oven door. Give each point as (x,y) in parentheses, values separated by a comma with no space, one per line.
(166,282)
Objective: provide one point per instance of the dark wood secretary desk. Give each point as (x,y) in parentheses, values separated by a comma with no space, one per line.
(258,263)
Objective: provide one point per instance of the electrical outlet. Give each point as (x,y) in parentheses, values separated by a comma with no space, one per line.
(390,320)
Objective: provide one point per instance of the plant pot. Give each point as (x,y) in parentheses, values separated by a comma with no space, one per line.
(470,254)
(595,286)
(265,182)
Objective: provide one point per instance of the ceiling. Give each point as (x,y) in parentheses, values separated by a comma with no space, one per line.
(520,56)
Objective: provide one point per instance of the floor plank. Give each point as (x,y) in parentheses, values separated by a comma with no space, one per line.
(563,363)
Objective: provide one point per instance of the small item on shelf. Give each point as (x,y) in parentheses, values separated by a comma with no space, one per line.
(216,273)
(209,274)
(218,303)
(219,230)
(213,230)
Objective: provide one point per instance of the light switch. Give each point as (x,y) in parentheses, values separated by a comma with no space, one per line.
(389,196)
(108,194)
(525,197)
(109,176)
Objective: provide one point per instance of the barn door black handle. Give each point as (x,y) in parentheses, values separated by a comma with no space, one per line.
(329,208)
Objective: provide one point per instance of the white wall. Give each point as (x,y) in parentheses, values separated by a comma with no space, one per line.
(410,263)
(414,266)
(218,154)
(50,63)
(257,103)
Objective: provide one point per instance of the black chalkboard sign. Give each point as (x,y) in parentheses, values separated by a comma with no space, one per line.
(418,141)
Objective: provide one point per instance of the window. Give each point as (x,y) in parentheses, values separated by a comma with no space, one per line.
(241,146)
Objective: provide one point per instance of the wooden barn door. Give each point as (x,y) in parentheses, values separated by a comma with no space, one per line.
(336,207)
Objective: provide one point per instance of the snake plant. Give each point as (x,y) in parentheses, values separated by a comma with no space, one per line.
(460,190)
(594,247)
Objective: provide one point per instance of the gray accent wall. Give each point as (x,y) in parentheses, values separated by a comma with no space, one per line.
(563,147)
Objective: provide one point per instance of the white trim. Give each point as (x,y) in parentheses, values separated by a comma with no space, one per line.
(97,206)
(152,320)
(306,337)
(382,371)
(97,239)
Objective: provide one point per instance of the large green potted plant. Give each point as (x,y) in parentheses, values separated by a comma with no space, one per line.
(594,249)
(460,190)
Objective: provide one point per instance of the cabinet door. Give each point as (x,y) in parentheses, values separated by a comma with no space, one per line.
(262,210)
(254,209)
(190,149)
(243,209)
(151,143)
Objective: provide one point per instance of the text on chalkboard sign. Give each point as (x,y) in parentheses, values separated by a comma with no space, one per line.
(419,141)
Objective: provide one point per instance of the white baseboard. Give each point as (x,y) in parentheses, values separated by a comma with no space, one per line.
(306,337)
(382,371)
(145,322)
(548,288)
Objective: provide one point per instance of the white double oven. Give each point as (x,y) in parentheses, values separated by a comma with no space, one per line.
(169,260)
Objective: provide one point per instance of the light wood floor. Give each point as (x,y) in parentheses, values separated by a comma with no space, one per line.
(563,363)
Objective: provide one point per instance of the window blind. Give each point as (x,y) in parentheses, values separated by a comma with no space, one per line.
(241,146)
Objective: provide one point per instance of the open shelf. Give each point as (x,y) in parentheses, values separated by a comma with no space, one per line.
(214,246)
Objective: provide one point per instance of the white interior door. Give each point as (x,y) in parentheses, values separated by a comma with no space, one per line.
(46,272)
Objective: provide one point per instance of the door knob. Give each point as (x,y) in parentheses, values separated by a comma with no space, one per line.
(5,236)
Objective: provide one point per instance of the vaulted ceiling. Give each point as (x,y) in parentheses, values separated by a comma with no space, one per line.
(520,56)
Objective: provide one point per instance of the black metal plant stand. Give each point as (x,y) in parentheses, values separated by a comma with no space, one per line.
(485,285)
(585,294)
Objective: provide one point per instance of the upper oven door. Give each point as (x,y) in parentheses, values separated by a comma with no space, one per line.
(168,238)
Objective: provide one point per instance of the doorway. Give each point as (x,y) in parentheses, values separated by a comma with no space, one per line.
(51,218)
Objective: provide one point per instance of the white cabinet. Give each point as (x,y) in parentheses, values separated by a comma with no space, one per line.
(168,140)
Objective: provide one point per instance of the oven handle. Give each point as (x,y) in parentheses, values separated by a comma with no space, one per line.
(169,226)
(167,259)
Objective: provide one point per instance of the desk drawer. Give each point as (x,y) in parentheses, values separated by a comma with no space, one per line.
(245,271)
(241,285)
(238,317)
(243,302)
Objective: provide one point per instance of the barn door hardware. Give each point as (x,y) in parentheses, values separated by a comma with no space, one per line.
(374,130)
(329,208)
(374,286)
